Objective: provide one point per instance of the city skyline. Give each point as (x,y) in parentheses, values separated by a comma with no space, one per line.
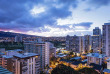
(53,18)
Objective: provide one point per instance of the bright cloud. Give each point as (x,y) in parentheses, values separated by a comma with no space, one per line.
(36,10)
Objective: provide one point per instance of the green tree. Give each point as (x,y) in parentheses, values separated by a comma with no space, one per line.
(53,59)
(63,69)
(88,71)
(42,72)
(91,51)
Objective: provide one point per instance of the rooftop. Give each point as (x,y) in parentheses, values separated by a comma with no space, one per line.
(65,60)
(18,50)
(78,62)
(7,56)
(106,23)
(75,58)
(106,70)
(96,55)
(96,27)
(84,60)
(4,71)
(61,56)
(108,59)
(2,53)
(15,50)
(26,55)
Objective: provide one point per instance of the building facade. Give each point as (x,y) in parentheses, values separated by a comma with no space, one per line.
(95,58)
(74,43)
(41,48)
(87,43)
(6,62)
(106,39)
(96,40)
(18,38)
(27,63)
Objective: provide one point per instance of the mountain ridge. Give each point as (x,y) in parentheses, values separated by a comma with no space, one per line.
(12,34)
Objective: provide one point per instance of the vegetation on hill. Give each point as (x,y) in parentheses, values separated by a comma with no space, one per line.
(58,43)
(12,45)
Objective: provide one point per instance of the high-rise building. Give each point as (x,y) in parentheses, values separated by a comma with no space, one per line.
(18,38)
(87,43)
(106,39)
(53,52)
(41,48)
(74,43)
(68,42)
(96,40)
(27,63)
(1,54)
(6,59)
(97,31)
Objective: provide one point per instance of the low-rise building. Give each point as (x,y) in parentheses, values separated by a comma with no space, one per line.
(107,70)
(2,50)
(95,58)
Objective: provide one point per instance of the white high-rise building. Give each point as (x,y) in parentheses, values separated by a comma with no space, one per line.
(106,39)
(41,48)
(27,63)
(18,38)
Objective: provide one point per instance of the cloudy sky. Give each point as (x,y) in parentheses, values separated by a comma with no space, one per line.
(53,17)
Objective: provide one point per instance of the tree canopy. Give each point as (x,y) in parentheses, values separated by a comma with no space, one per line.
(88,71)
(63,69)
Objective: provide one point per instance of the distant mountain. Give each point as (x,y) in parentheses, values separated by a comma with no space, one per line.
(11,34)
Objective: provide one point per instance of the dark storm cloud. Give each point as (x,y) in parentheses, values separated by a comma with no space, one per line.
(15,14)
(87,25)
(98,3)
